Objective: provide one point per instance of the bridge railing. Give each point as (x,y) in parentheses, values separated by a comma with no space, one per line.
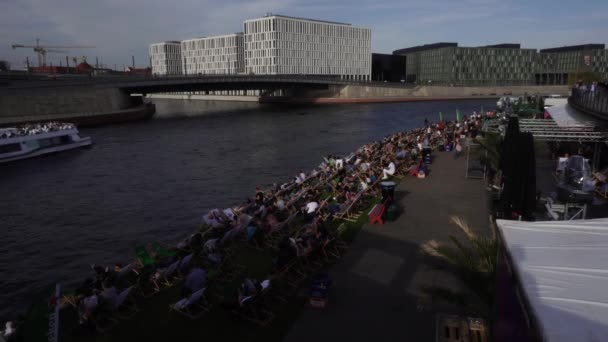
(592,102)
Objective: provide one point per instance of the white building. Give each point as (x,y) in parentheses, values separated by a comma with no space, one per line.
(166,58)
(214,55)
(278,44)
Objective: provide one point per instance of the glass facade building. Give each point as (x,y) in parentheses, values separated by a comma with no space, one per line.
(214,55)
(166,58)
(503,64)
(280,45)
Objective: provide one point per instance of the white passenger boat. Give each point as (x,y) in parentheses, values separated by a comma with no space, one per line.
(37,139)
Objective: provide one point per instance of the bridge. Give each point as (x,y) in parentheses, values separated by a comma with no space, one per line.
(186,83)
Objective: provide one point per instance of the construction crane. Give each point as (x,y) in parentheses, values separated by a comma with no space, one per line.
(41,50)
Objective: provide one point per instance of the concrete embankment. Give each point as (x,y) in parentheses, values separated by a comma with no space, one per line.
(82,105)
(232,98)
(370,94)
(340,94)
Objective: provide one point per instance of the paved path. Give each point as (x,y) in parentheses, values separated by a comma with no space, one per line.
(374,297)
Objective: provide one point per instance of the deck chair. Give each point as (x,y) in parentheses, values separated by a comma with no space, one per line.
(166,277)
(127,275)
(252,309)
(142,256)
(193,306)
(125,306)
(185,263)
(229,236)
(335,246)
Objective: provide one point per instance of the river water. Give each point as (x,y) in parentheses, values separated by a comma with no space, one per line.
(152,180)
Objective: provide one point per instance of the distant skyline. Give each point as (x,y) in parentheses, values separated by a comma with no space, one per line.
(121,29)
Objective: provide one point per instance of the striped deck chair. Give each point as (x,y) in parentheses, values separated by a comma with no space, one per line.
(193,306)
(348,214)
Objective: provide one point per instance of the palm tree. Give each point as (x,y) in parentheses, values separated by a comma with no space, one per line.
(492,145)
(473,262)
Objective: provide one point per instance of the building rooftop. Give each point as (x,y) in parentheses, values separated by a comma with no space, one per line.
(167,42)
(425,47)
(503,46)
(269,15)
(213,37)
(576,48)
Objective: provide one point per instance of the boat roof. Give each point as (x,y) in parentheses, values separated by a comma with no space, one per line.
(562,267)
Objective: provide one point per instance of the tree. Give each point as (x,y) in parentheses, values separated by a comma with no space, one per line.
(491,144)
(473,262)
(5,66)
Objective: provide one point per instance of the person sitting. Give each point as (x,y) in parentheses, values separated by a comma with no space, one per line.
(311,208)
(388,171)
(195,280)
(259,196)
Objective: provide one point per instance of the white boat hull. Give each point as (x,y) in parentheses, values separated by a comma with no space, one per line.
(47,150)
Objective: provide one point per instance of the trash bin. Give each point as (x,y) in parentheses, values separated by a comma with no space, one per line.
(388,190)
(426,151)
(391,213)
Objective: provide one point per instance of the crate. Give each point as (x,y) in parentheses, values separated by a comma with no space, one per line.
(461,329)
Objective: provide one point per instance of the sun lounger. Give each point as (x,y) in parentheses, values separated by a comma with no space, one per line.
(193,306)
(166,277)
(124,306)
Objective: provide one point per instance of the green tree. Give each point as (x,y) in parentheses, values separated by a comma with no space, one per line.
(473,262)
(491,144)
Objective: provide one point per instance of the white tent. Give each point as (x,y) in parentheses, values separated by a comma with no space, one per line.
(562,268)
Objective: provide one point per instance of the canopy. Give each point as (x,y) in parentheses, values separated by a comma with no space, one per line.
(562,267)
(566,116)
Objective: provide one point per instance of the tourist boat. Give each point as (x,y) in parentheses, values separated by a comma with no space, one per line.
(38,139)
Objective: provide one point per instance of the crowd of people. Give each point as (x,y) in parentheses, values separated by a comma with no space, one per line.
(294,220)
(33,129)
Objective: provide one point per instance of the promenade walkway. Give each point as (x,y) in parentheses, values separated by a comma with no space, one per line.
(376,284)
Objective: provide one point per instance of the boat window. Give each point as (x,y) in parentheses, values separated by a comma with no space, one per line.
(10,148)
(45,142)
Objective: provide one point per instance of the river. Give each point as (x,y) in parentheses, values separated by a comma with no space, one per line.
(152,180)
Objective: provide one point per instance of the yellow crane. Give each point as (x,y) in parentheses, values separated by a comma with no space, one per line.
(41,50)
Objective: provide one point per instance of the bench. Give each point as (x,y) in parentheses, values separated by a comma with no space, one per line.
(375,215)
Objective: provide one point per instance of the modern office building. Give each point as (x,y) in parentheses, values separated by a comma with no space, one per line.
(389,68)
(562,65)
(447,63)
(214,55)
(166,58)
(277,44)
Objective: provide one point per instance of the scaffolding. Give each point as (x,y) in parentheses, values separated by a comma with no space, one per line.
(548,130)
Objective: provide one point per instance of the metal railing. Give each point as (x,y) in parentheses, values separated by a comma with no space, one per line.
(28,81)
(591,102)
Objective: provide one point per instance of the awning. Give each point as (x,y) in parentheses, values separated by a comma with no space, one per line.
(562,267)
(566,116)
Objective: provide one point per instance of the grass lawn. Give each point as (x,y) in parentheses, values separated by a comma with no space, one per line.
(154,321)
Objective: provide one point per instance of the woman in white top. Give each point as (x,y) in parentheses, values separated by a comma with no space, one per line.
(389,171)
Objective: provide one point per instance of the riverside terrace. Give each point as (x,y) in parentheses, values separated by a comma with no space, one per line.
(268,238)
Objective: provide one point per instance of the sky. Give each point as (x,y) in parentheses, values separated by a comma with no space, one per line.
(119,29)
